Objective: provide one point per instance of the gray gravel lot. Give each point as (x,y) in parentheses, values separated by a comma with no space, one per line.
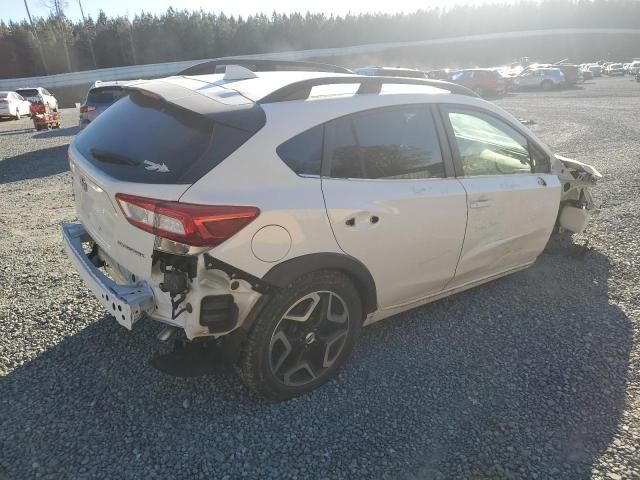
(533,376)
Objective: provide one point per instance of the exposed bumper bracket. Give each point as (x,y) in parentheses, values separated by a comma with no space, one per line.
(127,303)
(257,284)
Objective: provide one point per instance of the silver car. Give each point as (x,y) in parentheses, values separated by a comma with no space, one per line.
(544,78)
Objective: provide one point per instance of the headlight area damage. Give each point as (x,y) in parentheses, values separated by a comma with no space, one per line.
(576,203)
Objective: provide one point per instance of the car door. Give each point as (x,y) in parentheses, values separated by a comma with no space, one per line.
(512,197)
(392,200)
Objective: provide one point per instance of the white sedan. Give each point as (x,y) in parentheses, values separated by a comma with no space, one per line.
(13,105)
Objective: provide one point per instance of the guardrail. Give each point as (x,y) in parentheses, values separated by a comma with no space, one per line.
(171,68)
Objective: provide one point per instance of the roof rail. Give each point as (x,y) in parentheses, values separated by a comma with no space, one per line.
(260,65)
(302,89)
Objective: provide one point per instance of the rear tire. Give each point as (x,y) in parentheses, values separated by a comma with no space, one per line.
(17,115)
(302,336)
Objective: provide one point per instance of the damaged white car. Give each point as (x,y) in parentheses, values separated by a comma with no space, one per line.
(280,212)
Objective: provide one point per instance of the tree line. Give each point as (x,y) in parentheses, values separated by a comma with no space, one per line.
(56,44)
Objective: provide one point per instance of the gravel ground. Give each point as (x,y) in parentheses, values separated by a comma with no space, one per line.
(533,376)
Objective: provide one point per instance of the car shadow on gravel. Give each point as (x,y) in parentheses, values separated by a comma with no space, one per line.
(521,378)
(58,132)
(35,164)
(18,131)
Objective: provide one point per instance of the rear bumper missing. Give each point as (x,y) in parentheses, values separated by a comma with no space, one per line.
(127,303)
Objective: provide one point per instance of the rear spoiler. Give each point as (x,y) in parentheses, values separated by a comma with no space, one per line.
(247,116)
(261,65)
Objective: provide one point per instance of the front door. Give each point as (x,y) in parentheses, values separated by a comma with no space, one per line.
(390,202)
(512,198)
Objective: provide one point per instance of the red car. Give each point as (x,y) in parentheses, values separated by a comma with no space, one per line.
(483,81)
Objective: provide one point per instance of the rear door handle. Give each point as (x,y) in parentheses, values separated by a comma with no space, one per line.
(362,220)
(481,204)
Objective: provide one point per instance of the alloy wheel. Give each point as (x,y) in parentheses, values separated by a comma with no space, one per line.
(309,338)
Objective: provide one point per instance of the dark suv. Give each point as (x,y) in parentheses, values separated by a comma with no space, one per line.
(99,97)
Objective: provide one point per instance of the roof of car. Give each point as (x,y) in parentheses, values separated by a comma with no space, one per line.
(236,98)
(249,90)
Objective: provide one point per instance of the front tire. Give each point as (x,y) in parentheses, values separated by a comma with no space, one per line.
(302,336)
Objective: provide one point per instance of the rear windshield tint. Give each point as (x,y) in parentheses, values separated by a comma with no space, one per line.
(4,94)
(145,140)
(28,92)
(103,96)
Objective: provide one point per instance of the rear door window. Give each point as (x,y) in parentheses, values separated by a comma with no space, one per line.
(146,140)
(389,143)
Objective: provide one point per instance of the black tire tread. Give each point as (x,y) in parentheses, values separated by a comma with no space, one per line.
(250,367)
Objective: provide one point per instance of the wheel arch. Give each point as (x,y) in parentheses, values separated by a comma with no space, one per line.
(285,273)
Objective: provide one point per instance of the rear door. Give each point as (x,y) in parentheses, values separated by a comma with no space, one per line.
(512,197)
(392,200)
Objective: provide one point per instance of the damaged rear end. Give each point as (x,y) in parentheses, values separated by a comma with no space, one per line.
(140,250)
(576,203)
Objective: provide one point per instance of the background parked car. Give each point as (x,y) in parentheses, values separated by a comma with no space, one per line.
(595,69)
(615,69)
(13,105)
(634,68)
(39,95)
(586,74)
(544,78)
(481,80)
(438,74)
(390,72)
(99,97)
(572,73)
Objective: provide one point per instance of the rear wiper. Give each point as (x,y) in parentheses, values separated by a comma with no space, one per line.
(109,157)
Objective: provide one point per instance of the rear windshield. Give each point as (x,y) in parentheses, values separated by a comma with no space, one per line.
(4,94)
(28,92)
(146,140)
(104,95)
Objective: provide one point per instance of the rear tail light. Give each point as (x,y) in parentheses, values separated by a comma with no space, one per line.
(4,101)
(87,109)
(194,225)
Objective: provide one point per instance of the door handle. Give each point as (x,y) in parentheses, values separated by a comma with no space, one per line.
(480,204)
(372,220)
(542,182)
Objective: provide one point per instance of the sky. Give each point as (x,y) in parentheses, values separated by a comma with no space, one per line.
(14,9)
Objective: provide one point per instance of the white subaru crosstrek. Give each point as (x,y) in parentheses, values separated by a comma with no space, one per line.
(283,211)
